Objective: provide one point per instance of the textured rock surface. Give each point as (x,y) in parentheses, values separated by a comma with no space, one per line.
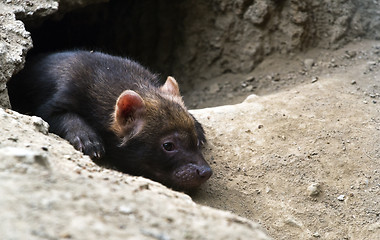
(15,41)
(50,191)
(234,36)
(198,40)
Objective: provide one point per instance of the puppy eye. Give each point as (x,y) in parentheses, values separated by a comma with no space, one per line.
(168,146)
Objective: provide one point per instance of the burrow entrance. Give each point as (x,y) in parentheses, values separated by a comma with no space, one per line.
(146,31)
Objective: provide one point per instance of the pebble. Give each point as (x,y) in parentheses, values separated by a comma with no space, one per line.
(350,54)
(341,197)
(250,79)
(230,95)
(251,98)
(313,189)
(314,79)
(308,63)
(125,209)
(214,88)
(249,88)
(40,124)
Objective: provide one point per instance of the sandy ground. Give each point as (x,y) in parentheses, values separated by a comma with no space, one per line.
(303,157)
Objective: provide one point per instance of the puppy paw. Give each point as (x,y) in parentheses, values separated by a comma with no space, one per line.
(88,143)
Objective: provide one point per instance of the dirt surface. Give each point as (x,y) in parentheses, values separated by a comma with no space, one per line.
(278,73)
(302,159)
(50,191)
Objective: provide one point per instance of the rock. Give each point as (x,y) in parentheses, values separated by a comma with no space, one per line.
(308,63)
(251,98)
(350,54)
(257,12)
(249,88)
(40,124)
(313,189)
(125,209)
(214,88)
(341,197)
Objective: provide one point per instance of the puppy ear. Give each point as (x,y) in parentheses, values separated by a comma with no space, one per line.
(171,87)
(129,114)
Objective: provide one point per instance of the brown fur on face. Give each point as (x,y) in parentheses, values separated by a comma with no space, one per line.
(144,111)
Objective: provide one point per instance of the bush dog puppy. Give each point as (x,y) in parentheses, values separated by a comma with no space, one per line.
(112,108)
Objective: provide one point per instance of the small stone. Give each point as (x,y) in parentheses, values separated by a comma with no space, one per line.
(251,98)
(40,124)
(250,79)
(276,77)
(125,209)
(313,189)
(65,235)
(13,139)
(249,88)
(309,63)
(214,88)
(314,79)
(353,82)
(350,54)
(230,95)
(341,197)
(77,170)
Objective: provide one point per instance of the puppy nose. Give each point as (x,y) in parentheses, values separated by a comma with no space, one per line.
(204,172)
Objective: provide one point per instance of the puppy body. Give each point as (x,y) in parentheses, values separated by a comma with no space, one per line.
(112,108)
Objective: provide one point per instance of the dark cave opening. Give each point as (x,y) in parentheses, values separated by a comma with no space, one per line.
(146,31)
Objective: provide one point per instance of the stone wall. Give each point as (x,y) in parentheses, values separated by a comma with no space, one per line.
(234,36)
